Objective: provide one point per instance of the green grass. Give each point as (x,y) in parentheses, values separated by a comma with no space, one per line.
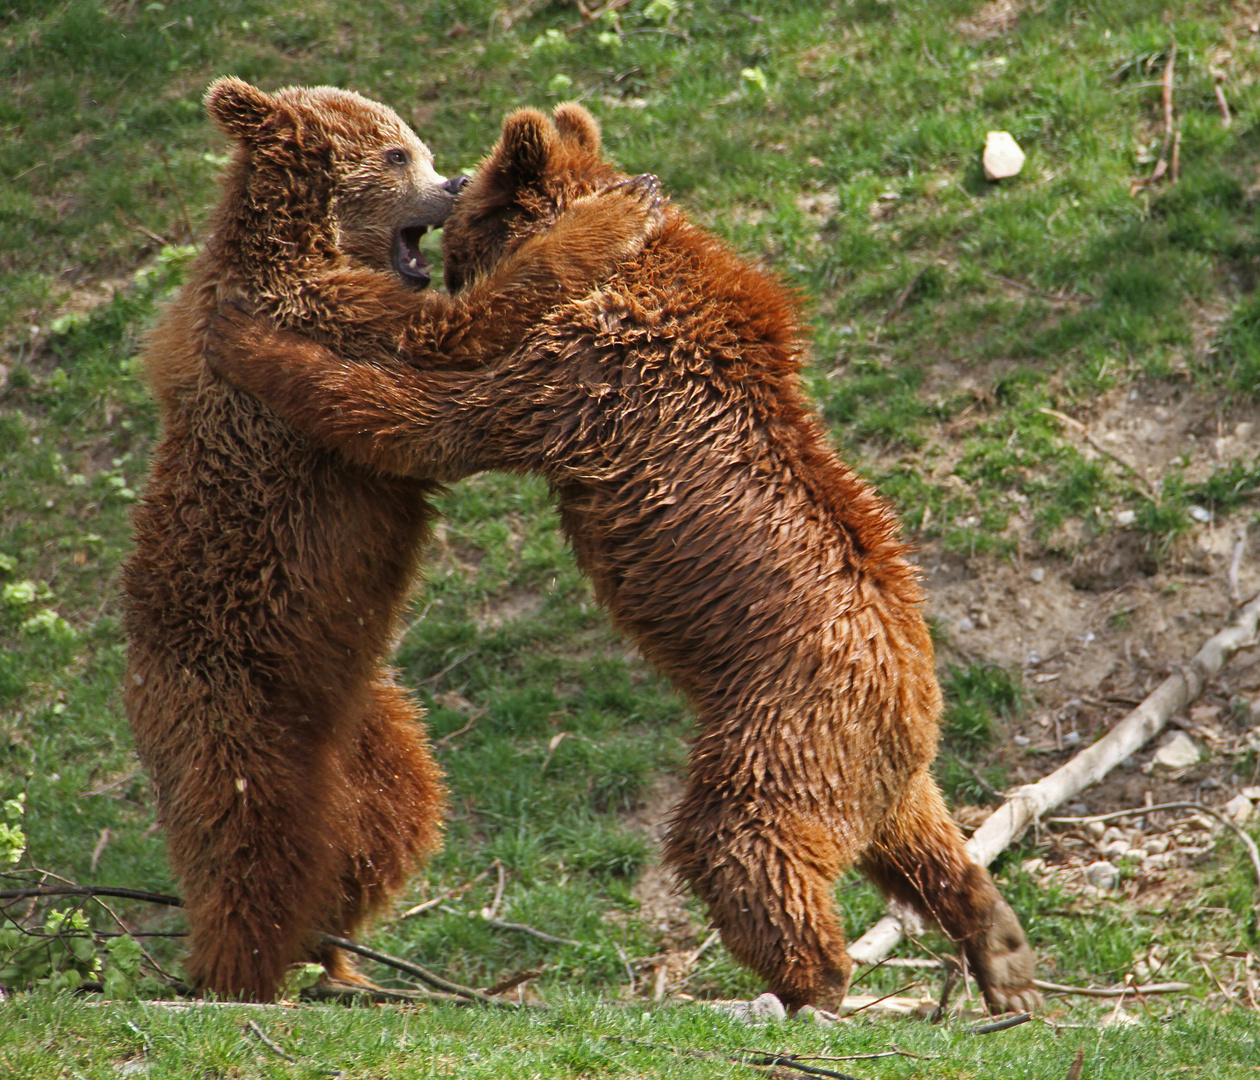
(59,1037)
(839,144)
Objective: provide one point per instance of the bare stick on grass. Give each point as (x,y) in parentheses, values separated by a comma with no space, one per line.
(1089,766)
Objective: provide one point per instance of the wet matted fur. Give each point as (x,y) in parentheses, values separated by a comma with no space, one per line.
(723,534)
(293,780)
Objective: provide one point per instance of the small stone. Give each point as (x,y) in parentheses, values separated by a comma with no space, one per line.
(1114,849)
(1071,738)
(1178,751)
(1125,518)
(1024,740)
(819,1017)
(1002,156)
(766,1009)
(1200,514)
(1102,875)
(964,625)
(1156,845)
(1037,574)
(1253,793)
(1095,830)
(1033,866)
(1238,809)
(1135,855)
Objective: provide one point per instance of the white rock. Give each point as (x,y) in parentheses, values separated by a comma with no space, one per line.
(1114,849)
(1002,156)
(1102,875)
(1038,573)
(1178,751)
(1238,809)
(1095,830)
(762,1010)
(1156,845)
(1125,518)
(820,1017)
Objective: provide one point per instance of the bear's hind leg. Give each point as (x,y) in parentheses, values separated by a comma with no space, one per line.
(917,857)
(769,891)
(397,800)
(248,833)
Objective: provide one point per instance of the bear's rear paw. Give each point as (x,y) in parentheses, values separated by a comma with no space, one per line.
(1003,963)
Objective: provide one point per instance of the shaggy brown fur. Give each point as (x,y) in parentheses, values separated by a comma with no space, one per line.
(295,785)
(723,534)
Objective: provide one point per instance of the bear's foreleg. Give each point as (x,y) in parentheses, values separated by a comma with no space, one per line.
(769,891)
(918,858)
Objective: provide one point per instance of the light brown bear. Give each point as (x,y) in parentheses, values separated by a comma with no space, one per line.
(294,783)
(723,534)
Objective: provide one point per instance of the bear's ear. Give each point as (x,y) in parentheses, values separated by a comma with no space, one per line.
(577,126)
(521,158)
(240,110)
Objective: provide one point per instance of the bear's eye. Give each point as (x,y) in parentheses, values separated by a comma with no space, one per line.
(398,157)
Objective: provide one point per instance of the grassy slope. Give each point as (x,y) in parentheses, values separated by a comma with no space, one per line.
(839,143)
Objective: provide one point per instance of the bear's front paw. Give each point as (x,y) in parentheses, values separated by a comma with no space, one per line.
(1004,964)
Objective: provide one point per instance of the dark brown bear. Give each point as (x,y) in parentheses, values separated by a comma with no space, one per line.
(722,533)
(293,780)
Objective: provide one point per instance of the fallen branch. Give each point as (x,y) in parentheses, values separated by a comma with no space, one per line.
(1089,766)
(421,973)
(1122,991)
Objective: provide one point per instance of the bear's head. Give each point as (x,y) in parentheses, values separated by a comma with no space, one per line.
(322,175)
(539,165)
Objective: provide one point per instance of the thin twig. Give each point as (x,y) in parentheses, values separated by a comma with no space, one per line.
(1172,140)
(904,295)
(513,981)
(518,928)
(421,973)
(1092,991)
(489,913)
(345,993)
(441,898)
(137,227)
(1076,425)
(1000,1025)
(1226,119)
(90,890)
(179,198)
(1235,565)
(1058,298)
(268,1042)
(899,990)
(787,1061)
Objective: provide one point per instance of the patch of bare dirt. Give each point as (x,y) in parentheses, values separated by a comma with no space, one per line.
(990,20)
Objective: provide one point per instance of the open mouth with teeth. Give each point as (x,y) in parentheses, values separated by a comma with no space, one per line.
(409,261)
